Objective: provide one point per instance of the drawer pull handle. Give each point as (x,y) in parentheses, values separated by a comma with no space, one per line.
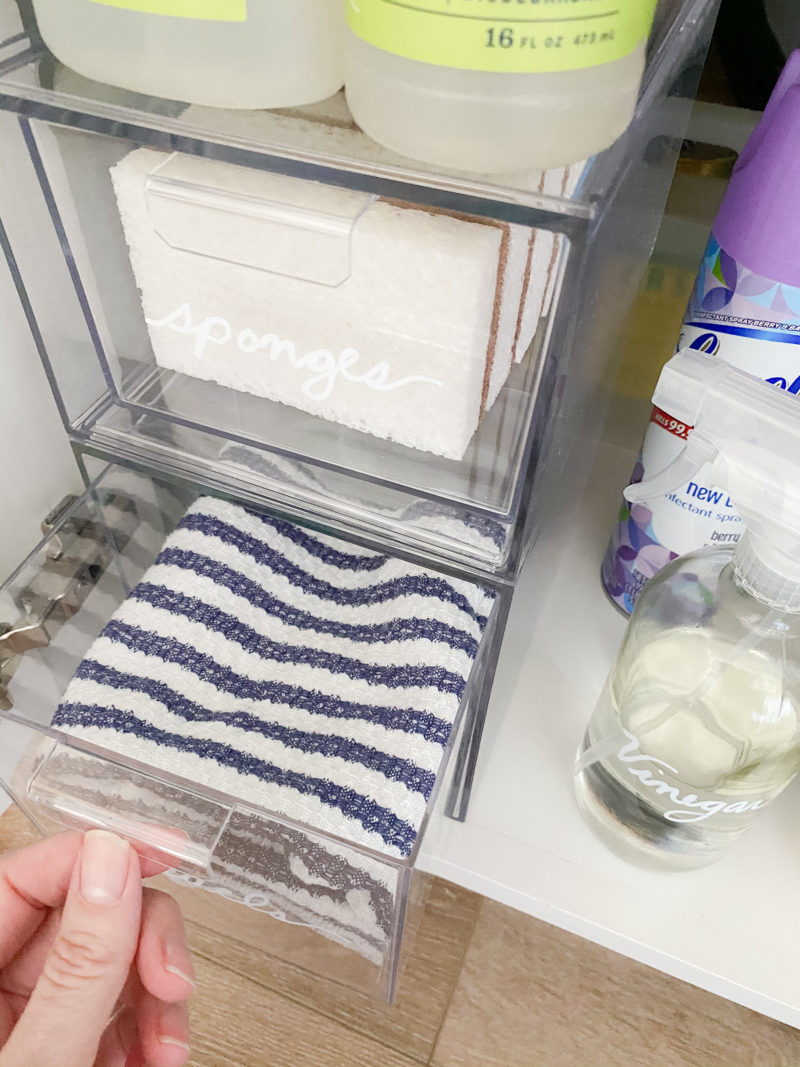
(79,790)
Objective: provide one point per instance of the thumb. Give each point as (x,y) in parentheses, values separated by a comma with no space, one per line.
(88,963)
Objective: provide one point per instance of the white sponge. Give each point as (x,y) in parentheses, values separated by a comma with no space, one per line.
(328,129)
(389,318)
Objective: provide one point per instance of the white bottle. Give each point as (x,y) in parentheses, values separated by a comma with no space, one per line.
(698,727)
(464,86)
(222,53)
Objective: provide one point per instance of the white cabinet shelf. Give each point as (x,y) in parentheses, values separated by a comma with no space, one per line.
(733,928)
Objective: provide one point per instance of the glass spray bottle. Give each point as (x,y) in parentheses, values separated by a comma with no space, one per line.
(698,727)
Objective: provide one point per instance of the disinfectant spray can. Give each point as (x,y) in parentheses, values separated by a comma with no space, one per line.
(745,310)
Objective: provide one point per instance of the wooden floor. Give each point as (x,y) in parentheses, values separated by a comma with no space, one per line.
(484,986)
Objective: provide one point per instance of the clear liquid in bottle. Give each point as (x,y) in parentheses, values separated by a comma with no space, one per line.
(696,730)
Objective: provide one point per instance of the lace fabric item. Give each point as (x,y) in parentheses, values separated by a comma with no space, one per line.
(298,674)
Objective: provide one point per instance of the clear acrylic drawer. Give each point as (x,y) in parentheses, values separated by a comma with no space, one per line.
(341,905)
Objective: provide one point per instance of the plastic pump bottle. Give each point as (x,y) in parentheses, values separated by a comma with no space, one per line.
(472,88)
(222,53)
(698,727)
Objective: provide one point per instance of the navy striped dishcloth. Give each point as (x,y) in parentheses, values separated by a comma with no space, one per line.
(287,669)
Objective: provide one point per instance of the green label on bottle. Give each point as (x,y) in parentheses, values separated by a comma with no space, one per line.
(216,10)
(505,36)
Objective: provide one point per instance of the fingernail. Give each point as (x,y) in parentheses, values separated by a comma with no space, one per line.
(174,1041)
(172,969)
(105,861)
(177,960)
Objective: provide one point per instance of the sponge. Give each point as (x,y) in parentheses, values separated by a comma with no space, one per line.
(327,129)
(393,319)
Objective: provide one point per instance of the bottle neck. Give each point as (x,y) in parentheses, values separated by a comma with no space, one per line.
(760,570)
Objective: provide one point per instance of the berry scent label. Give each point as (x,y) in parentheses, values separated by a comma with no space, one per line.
(527,37)
(213,10)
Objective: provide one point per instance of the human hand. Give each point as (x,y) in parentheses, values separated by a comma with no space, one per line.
(80,942)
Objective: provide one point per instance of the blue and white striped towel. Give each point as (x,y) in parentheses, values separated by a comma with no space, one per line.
(288,669)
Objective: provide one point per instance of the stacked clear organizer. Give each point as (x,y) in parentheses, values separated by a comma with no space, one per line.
(430,347)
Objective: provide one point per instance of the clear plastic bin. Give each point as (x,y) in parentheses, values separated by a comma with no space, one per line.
(288,333)
(342,904)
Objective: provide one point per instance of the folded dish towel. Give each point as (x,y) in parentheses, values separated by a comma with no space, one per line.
(299,879)
(287,669)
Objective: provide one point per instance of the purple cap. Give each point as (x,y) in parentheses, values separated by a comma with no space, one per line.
(759,220)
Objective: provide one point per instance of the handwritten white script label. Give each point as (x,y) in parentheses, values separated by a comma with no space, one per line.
(689,807)
(325,368)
